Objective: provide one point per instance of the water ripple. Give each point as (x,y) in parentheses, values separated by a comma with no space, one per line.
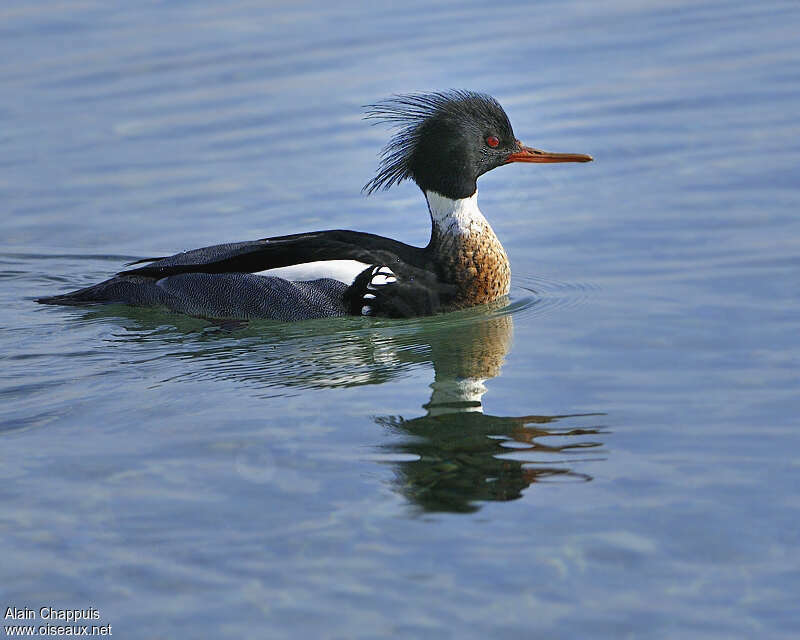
(538,295)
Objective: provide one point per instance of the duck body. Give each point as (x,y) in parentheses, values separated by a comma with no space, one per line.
(444,143)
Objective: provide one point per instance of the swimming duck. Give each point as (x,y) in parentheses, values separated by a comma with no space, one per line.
(444,142)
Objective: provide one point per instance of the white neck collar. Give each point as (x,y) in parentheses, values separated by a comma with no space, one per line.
(458,217)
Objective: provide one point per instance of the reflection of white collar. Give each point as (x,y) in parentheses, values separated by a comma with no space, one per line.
(447,394)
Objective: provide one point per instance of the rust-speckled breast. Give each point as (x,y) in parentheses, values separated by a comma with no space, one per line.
(475,262)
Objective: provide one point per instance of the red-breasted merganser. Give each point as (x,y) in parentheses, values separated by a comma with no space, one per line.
(444,142)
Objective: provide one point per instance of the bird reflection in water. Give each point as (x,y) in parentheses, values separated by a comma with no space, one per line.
(461,456)
(450,459)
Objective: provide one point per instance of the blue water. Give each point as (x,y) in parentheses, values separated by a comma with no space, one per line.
(629,466)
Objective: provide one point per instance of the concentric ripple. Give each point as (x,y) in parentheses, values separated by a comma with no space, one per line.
(539,295)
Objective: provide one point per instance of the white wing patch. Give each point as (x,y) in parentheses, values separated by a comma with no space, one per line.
(381,276)
(341,270)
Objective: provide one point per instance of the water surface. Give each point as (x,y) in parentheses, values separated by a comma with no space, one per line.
(611,454)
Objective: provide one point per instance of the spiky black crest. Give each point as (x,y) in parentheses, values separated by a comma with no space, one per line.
(417,117)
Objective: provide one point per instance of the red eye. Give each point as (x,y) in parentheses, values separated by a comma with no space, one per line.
(492,141)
